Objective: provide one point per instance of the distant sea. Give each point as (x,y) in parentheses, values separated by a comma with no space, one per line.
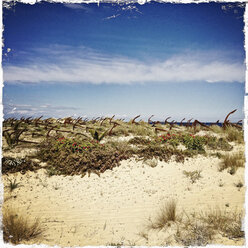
(220,124)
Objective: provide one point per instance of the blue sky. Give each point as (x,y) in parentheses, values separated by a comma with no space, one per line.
(179,60)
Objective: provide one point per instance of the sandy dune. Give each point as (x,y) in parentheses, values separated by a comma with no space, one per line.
(115,208)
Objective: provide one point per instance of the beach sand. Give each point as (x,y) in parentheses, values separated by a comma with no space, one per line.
(115,207)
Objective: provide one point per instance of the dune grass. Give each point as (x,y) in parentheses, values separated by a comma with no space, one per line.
(228,224)
(165,216)
(194,233)
(18,228)
(196,229)
(232,162)
(233,134)
(200,229)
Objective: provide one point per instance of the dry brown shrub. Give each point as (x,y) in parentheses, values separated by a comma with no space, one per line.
(18,228)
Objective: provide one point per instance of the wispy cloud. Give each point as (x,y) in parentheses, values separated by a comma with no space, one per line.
(77,6)
(111,17)
(47,110)
(83,65)
(127,8)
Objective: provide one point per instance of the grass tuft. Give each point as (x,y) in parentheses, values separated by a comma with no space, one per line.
(229,224)
(18,228)
(166,215)
(232,162)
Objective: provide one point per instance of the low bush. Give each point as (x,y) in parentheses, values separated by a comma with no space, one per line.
(161,152)
(77,158)
(192,142)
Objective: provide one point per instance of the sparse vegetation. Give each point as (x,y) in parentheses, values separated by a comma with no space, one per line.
(197,229)
(229,224)
(194,233)
(232,162)
(239,185)
(233,134)
(18,228)
(193,175)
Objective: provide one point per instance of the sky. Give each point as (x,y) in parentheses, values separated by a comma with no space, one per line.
(89,60)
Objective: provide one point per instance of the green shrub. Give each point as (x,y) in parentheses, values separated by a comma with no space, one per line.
(194,142)
(65,159)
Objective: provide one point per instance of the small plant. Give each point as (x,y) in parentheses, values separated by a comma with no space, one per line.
(17,228)
(166,215)
(232,162)
(239,185)
(193,175)
(13,185)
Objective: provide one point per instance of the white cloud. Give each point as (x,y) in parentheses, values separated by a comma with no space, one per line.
(47,110)
(83,65)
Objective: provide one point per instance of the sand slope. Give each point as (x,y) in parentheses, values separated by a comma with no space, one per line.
(114,208)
